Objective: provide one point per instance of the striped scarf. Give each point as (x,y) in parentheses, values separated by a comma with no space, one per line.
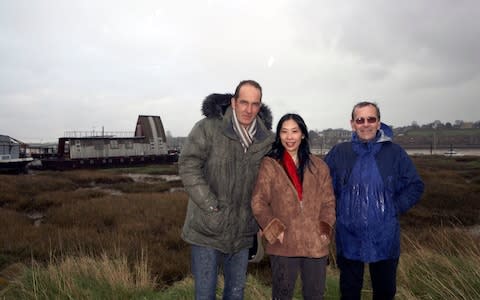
(245,134)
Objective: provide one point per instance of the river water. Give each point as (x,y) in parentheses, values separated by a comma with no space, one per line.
(459,152)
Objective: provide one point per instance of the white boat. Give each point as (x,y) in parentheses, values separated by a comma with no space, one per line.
(12,158)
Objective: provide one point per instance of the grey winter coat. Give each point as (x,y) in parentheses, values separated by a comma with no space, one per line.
(217,173)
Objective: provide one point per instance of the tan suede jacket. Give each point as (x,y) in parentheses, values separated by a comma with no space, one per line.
(277,208)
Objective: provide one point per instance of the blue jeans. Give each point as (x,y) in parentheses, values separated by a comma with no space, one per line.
(205,263)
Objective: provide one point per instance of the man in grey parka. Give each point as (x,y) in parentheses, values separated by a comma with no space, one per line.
(218,166)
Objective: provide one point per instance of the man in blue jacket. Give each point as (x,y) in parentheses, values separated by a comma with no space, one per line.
(375,182)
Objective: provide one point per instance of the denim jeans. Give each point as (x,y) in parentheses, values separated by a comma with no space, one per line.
(205,265)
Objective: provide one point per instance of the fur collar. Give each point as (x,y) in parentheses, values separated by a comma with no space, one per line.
(215,105)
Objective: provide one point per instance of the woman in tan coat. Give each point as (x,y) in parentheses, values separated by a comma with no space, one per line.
(294,204)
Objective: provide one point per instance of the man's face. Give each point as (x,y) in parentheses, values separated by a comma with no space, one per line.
(365,122)
(247,106)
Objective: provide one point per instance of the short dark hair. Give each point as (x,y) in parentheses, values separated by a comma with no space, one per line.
(247,82)
(363,104)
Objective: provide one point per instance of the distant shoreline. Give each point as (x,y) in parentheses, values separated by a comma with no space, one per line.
(459,151)
(422,151)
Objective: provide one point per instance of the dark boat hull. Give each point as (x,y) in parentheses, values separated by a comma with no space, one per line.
(106,162)
(14,166)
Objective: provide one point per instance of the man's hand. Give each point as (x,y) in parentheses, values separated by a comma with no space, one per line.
(214,209)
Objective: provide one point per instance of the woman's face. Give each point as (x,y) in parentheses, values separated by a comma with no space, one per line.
(291,136)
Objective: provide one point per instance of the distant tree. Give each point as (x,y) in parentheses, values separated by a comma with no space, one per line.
(312,134)
(448,125)
(458,123)
(314,137)
(476,124)
(437,124)
(415,124)
(424,126)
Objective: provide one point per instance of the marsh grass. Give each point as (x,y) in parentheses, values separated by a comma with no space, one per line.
(436,263)
(84,277)
(452,189)
(149,169)
(83,222)
(440,264)
(78,219)
(183,290)
(106,278)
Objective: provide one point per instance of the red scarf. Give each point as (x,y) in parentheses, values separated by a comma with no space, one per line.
(291,169)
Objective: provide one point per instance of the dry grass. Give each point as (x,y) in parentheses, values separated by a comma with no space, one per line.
(440,264)
(452,189)
(84,277)
(92,214)
(80,220)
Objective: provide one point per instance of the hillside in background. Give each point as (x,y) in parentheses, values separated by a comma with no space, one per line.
(435,135)
(410,137)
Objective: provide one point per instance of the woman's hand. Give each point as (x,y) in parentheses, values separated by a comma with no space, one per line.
(280,237)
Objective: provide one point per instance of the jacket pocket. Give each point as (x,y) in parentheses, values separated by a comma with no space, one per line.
(314,244)
(209,224)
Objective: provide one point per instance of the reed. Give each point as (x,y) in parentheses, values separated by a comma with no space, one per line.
(84,277)
(440,264)
(51,220)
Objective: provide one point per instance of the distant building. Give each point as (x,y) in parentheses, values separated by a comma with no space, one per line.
(149,139)
(41,150)
(12,155)
(11,148)
(467,125)
(335,136)
(92,149)
(322,141)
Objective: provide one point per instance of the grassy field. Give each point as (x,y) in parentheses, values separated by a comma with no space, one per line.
(444,132)
(106,234)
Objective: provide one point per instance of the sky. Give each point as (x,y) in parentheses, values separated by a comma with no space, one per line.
(90,65)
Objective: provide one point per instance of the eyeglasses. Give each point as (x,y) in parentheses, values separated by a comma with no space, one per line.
(370,120)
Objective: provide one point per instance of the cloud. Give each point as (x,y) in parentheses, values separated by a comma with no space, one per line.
(71,65)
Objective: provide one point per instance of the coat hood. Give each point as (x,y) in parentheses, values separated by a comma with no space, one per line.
(385,133)
(215,105)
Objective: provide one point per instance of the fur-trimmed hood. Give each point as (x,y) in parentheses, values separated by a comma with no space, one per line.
(215,105)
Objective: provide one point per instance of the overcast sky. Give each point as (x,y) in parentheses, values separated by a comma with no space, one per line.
(84,65)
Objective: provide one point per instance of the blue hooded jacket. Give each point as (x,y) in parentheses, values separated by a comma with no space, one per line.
(374,182)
